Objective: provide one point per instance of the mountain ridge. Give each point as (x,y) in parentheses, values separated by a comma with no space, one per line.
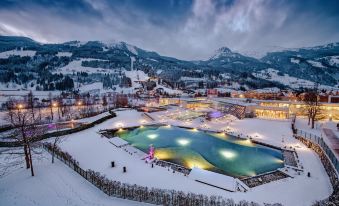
(317,64)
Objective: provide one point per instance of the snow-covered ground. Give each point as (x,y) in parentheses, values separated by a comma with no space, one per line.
(75,66)
(53,184)
(136,75)
(88,147)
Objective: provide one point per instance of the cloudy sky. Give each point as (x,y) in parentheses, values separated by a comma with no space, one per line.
(186,29)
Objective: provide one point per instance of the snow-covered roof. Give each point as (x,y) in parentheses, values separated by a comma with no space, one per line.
(234,101)
(118,142)
(214,179)
(268,90)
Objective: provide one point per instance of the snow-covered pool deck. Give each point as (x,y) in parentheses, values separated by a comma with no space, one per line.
(214,179)
(96,152)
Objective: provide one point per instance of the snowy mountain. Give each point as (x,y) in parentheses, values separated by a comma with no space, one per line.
(227,61)
(317,64)
(24,61)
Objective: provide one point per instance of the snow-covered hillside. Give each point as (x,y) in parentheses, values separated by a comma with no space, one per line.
(293,82)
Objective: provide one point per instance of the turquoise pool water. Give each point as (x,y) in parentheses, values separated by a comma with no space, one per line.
(211,151)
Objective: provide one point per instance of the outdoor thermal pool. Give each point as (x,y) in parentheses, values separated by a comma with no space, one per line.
(215,152)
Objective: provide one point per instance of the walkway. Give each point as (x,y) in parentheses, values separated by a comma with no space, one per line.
(332,140)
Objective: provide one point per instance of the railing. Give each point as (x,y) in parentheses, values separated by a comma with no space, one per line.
(320,141)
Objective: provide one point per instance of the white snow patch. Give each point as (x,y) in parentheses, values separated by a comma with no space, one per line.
(132,49)
(21,53)
(192,79)
(136,75)
(159,71)
(316,64)
(64,54)
(334,61)
(152,59)
(295,61)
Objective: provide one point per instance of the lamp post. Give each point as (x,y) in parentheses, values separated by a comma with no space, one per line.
(79,106)
(20,106)
(57,106)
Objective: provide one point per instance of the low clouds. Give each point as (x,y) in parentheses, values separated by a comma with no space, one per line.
(184,29)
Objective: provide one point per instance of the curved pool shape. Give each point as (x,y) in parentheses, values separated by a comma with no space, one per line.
(211,151)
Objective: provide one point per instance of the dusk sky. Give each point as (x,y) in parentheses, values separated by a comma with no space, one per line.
(183,29)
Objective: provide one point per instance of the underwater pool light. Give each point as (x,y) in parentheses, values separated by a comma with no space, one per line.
(228,154)
(183,142)
(152,136)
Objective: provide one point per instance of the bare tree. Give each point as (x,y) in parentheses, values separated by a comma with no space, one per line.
(51,103)
(56,141)
(26,130)
(30,101)
(312,105)
(104,102)
(87,101)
